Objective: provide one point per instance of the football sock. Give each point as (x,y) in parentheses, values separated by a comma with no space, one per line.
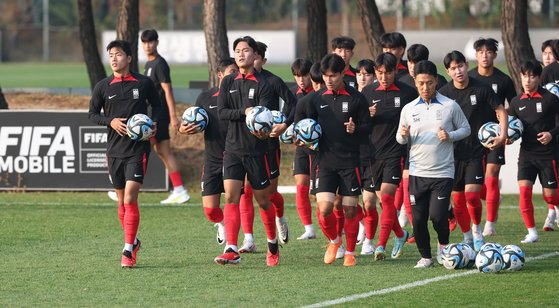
(359,212)
(131,222)
(121,211)
(551,212)
(213,214)
(484,190)
(128,247)
(492,197)
(461,211)
(247,210)
(533,231)
(328,226)
(474,206)
(248,237)
(176,181)
(407,203)
(387,219)
(309,228)
(552,199)
(303,204)
(232,222)
(526,206)
(371,223)
(399,197)
(351,231)
(340,218)
(277,201)
(551,206)
(269,219)
(232,247)
(468,236)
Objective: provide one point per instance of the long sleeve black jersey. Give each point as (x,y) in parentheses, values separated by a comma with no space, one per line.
(407,79)
(478,102)
(501,84)
(236,94)
(381,143)
(302,110)
(123,98)
(537,113)
(350,77)
(337,148)
(214,135)
(402,70)
(158,70)
(550,73)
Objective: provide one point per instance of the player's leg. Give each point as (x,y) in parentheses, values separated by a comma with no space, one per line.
(419,200)
(459,199)
(325,196)
(340,220)
(493,194)
(212,187)
(527,173)
(438,212)
(301,174)
(369,205)
(474,179)
(548,179)
(247,218)
(349,184)
(407,206)
(163,149)
(273,159)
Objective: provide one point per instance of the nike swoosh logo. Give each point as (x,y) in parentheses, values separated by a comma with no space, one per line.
(440,198)
(232,91)
(137,175)
(262,183)
(395,178)
(273,172)
(212,107)
(415,115)
(501,157)
(521,108)
(376,101)
(354,189)
(478,177)
(323,106)
(111,96)
(550,183)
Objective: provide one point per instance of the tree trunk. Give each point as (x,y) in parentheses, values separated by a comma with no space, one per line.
(317,35)
(128,27)
(88,39)
(215,31)
(514,30)
(3,101)
(372,25)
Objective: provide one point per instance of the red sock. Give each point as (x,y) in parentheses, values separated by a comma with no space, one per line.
(371,223)
(399,197)
(359,212)
(340,218)
(232,219)
(526,206)
(461,211)
(407,203)
(492,197)
(277,200)
(213,214)
(351,229)
(269,220)
(121,212)
(552,199)
(551,207)
(387,219)
(303,204)
(474,206)
(484,190)
(328,225)
(247,210)
(131,222)
(176,179)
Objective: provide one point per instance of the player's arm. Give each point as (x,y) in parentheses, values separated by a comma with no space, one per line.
(169,97)
(97,103)
(403,133)
(460,123)
(555,131)
(224,110)
(153,99)
(191,129)
(364,125)
(502,117)
(290,103)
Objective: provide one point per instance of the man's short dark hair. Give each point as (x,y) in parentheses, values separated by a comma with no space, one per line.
(488,43)
(417,53)
(532,67)
(149,35)
(343,42)
(333,63)
(223,64)
(425,67)
(247,39)
(555,48)
(455,56)
(549,43)
(261,49)
(366,64)
(316,73)
(387,60)
(393,40)
(124,45)
(301,67)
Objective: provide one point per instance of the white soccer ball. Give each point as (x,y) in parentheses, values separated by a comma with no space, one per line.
(197,116)
(553,88)
(455,256)
(516,128)
(471,253)
(278,117)
(496,246)
(487,132)
(259,118)
(308,131)
(287,136)
(140,127)
(489,261)
(513,257)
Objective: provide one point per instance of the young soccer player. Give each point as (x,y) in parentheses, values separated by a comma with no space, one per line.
(343,46)
(214,145)
(503,86)
(365,73)
(537,108)
(550,73)
(415,54)
(548,56)
(395,43)
(120,96)
(479,104)
(430,124)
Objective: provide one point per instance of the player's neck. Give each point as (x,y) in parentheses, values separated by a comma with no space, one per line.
(152,56)
(246,70)
(121,74)
(461,85)
(485,71)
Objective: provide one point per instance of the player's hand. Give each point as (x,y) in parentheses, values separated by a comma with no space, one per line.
(175,124)
(248,110)
(188,129)
(497,142)
(277,130)
(350,126)
(405,131)
(544,137)
(298,143)
(509,141)
(442,134)
(260,134)
(373,110)
(119,125)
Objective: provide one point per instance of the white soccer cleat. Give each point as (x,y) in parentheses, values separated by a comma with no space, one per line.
(112,195)
(530,238)
(488,230)
(361,234)
(548,224)
(220,236)
(424,263)
(177,198)
(247,247)
(283,230)
(368,247)
(341,252)
(308,235)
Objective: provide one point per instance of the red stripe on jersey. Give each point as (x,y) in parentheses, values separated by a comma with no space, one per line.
(358,175)
(128,77)
(267,165)
(348,72)
(341,91)
(534,95)
(400,66)
(247,76)
(216,93)
(392,87)
(145,163)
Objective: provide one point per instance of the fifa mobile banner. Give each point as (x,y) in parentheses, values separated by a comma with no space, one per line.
(57,150)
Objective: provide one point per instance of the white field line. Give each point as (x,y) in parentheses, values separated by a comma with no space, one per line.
(415,284)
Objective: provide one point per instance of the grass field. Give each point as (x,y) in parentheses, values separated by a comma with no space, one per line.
(62,249)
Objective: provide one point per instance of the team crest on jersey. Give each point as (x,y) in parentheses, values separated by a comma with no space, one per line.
(539,107)
(495,87)
(473,99)
(396,102)
(251,93)
(148,72)
(136,93)
(352,84)
(345,107)
(439,115)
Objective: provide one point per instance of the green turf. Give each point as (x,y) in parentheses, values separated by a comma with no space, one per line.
(62,249)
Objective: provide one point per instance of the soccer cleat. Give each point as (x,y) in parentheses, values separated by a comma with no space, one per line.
(248,247)
(229,257)
(135,249)
(308,235)
(283,230)
(112,195)
(127,260)
(488,230)
(177,198)
(380,254)
(271,258)
(452,224)
(349,260)
(361,234)
(440,253)
(368,247)
(479,240)
(341,251)
(548,225)
(411,240)
(331,249)
(530,238)
(220,236)
(424,263)
(399,245)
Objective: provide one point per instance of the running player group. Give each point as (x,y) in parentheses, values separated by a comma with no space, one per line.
(392,130)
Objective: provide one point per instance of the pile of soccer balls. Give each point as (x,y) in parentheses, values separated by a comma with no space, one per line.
(491,258)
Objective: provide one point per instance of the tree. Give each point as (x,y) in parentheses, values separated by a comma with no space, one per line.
(88,39)
(514,30)
(372,24)
(317,35)
(215,31)
(128,26)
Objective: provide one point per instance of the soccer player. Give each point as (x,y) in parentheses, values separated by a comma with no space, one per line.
(430,124)
(214,145)
(245,152)
(365,73)
(417,53)
(479,104)
(503,86)
(382,174)
(120,96)
(550,73)
(548,56)
(343,114)
(395,43)
(343,46)
(537,108)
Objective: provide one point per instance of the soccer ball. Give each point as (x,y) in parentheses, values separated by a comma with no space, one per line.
(471,253)
(489,261)
(308,131)
(197,116)
(259,118)
(140,127)
(496,246)
(455,256)
(287,136)
(513,257)
(279,117)
(515,128)
(487,132)
(553,88)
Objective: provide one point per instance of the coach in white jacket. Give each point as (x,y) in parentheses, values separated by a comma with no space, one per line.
(430,124)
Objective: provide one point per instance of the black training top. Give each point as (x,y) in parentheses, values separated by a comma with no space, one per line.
(441,81)
(214,135)
(158,70)
(402,70)
(123,98)
(301,111)
(550,73)
(500,82)
(350,77)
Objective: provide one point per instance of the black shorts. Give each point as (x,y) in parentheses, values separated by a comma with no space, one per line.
(273,159)
(430,193)
(301,162)
(212,178)
(366,170)
(544,169)
(468,172)
(496,156)
(162,130)
(313,172)
(385,171)
(122,169)
(344,182)
(236,167)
